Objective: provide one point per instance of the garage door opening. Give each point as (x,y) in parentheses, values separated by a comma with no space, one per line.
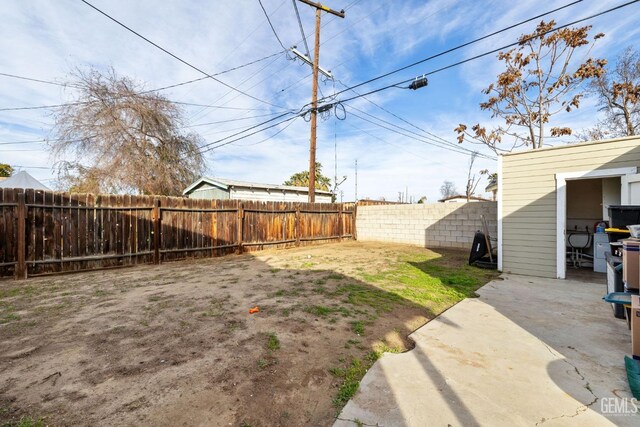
(586,244)
(582,201)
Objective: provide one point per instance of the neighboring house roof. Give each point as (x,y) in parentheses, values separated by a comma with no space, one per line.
(227,184)
(23,180)
(460,196)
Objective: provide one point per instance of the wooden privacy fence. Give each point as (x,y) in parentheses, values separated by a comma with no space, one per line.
(50,232)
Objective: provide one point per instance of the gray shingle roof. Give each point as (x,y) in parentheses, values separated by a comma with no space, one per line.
(245,184)
(23,180)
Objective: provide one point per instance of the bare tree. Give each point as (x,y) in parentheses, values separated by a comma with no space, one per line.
(472,179)
(448,189)
(539,82)
(618,93)
(118,138)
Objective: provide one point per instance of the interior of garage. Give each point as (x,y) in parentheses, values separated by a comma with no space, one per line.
(588,202)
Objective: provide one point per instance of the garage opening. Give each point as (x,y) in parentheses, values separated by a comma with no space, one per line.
(587,215)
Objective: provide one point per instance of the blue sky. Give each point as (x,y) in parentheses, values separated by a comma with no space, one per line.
(46,40)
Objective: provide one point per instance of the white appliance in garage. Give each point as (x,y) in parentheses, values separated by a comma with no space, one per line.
(600,249)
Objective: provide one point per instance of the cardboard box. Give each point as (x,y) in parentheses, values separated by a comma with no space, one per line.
(635,326)
(631,263)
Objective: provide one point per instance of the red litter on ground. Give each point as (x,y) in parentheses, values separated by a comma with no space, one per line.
(255,309)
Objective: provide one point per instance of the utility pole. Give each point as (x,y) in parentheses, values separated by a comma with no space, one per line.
(314,95)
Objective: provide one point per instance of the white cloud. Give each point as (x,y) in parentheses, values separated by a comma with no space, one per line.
(47,40)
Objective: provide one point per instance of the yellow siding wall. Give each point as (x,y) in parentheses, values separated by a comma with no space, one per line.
(529,198)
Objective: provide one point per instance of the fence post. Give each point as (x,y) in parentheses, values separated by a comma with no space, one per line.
(240,226)
(297,226)
(340,223)
(354,215)
(21,264)
(214,226)
(156,218)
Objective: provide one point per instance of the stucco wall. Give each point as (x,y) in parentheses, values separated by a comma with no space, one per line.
(427,225)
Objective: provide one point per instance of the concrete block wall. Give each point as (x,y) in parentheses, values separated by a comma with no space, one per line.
(448,225)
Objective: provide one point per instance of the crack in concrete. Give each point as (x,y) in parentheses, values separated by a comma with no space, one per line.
(358,422)
(581,408)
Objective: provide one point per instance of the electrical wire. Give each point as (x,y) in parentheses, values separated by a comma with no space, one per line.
(441,142)
(271,136)
(271,25)
(473,58)
(430,134)
(453,49)
(210,146)
(176,56)
(238,119)
(206,146)
(42,107)
(459,150)
(34,80)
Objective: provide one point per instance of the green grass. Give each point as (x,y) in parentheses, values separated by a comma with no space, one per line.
(26,421)
(273,343)
(357,294)
(7,313)
(324,311)
(425,279)
(350,376)
(285,293)
(357,327)
(215,308)
(353,373)
(19,291)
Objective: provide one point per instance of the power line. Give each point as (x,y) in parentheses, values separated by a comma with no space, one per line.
(205,146)
(271,136)
(69,104)
(271,25)
(42,107)
(485,53)
(440,142)
(429,58)
(385,141)
(431,136)
(209,146)
(31,167)
(459,150)
(238,119)
(34,80)
(175,56)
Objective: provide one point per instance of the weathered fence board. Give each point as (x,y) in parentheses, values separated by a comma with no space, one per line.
(43,232)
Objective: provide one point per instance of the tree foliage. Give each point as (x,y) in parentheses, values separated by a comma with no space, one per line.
(540,80)
(448,189)
(472,179)
(5,170)
(618,92)
(301,179)
(119,138)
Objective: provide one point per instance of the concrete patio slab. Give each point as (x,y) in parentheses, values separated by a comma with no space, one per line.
(528,351)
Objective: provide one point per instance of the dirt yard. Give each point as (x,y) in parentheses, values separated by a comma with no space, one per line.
(175,344)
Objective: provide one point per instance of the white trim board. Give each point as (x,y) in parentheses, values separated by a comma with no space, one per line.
(499,195)
(561,207)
